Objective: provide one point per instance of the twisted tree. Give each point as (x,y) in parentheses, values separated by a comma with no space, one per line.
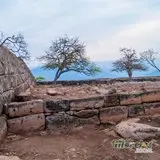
(68,54)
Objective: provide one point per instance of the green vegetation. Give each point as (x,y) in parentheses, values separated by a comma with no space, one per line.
(40,78)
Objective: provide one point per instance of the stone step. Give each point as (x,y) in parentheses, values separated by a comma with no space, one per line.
(19,109)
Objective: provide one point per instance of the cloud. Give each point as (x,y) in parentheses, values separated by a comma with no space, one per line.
(104,25)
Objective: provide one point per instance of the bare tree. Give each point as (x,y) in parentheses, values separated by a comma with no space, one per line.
(128,63)
(68,54)
(16,44)
(150,57)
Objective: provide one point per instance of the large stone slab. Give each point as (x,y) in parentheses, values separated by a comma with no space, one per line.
(137,131)
(19,109)
(113,114)
(26,123)
(128,99)
(66,121)
(152,108)
(153,96)
(56,106)
(89,103)
(3,127)
(9,158)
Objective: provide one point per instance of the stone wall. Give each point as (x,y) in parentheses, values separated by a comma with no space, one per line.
(101,81)
(15,77)
(52,114)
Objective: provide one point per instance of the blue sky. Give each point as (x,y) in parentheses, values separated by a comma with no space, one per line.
(104,25)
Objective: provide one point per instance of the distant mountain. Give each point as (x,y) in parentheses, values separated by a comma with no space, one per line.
(154,73)
(106,73)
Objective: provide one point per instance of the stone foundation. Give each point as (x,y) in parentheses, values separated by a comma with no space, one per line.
(36,115)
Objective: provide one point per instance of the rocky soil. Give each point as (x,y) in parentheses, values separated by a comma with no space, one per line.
(83,143)
(84,91)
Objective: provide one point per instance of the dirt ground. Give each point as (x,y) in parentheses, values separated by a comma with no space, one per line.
(83,143)
(84,91)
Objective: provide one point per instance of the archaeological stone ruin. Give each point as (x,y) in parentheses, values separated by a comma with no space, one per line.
(20,113)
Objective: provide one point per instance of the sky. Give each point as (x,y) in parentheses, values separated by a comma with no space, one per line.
(103,25)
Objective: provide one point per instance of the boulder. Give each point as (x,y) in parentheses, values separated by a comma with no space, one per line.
(138,131)
(53,92)
(9,158)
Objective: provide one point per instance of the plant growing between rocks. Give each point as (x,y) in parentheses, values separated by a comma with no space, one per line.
(68,54)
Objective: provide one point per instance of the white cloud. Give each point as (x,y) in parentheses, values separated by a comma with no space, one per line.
(105,25)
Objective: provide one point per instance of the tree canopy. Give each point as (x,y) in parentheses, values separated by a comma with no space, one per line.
(68,54)
(128,62)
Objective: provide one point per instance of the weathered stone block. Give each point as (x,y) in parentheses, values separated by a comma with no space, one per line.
(126,99)
(152,109)
(58,120)
(113,114)
(89,103)
(6,82)
(26,123)
(8,96)
(136,110)
(56,106)
(1,104)
(3,127)
(19,109)
(91,120)
(24,96)
(111,100)
(86,113)
(153,96)
(9,158)
(65,121)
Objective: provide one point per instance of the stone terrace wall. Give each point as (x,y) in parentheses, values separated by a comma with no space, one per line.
(51,114)
(15,77)
(101,81)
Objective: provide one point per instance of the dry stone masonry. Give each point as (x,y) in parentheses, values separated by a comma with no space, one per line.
(19,113)
(15,78)
(54,114)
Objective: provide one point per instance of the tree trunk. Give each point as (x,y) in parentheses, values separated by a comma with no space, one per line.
(130,76)
(56,76)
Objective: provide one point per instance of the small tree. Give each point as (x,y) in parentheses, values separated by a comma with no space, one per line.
(150,57)
(68,54)
(16,44)
(128,63)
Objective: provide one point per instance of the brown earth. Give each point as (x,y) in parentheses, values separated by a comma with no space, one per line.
(83,143)
(84,91)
